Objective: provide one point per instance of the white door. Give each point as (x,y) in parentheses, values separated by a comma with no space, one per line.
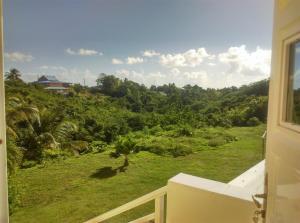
(283,143)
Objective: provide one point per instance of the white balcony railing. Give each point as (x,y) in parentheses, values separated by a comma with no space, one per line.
(158,216)
(194,199)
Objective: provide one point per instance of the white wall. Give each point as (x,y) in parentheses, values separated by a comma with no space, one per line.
(196,200)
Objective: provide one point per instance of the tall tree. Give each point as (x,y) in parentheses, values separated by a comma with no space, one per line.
(13,75)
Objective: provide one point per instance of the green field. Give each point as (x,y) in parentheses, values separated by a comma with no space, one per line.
(79,188)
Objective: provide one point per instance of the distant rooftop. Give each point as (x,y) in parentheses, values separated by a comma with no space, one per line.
(56,88)
(48,78)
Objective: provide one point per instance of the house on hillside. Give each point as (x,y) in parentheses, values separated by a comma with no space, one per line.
(53,84)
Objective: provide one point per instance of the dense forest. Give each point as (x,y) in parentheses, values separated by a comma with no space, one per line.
(44,126)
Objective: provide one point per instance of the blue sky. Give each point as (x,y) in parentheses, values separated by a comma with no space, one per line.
(211,43)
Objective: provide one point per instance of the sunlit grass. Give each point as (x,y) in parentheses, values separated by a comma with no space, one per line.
(79,188)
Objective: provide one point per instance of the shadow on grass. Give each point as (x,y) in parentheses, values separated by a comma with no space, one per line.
(108,171)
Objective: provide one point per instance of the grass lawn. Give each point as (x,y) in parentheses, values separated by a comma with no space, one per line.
(79,188)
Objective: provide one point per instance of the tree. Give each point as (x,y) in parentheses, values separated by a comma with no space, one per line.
(18,111)
(13,75)
(50,134)
(108,84)
(78,88)
(124,146)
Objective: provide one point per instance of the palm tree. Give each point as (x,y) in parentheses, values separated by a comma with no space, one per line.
(34,129)
(50,133)
(13,75)
(18,111)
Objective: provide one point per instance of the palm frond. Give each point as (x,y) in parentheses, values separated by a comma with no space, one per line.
(65,130)
(47,140)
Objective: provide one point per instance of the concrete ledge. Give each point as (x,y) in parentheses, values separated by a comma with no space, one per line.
(196,200)
(252,179)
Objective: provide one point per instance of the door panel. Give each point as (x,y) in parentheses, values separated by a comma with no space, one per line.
(283,143)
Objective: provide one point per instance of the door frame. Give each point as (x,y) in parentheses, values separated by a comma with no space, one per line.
(282,150)
(284,84)
(4,207)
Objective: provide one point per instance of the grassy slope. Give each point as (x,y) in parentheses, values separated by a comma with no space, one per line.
(75,189)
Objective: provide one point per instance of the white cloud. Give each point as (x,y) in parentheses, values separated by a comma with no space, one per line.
(159,78)
(175,71)
(134,60)
(18,57)
(136,76)
(83,52)
(233,67)
(75,75)
(123,73)
(150,53)
(116,61)
(196,75)
(241,61)
(190,58)
(55,68)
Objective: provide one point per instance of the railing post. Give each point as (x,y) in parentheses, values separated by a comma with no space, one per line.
(160,209)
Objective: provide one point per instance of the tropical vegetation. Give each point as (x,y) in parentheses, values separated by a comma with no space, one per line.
(117,117)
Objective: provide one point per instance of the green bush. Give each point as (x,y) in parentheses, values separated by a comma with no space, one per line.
(79,147)
(163,148)
(254,121)
(14,156)
(215,142)
(185,131)
(14,194)
(146,130)
(136,122)
(49,154)
(156,130)
(29,164)
(97,146)
(180,150)
(170,127)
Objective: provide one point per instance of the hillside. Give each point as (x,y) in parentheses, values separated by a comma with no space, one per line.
(79,188)
(123,118)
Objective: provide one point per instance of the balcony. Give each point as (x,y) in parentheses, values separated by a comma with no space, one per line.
(193,199)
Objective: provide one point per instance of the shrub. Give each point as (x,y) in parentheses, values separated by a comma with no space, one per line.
(215,142)
(229,138)
(113,130)
(185,131)
(14,194)
(136,122)
(155,130)
(152,147)
(254,121)
(156,149)
(180,150)
(14,156)
(146,130)
(164,148)
(29,164)
(52,153)
(79,147)
(97,146)
(170,127)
